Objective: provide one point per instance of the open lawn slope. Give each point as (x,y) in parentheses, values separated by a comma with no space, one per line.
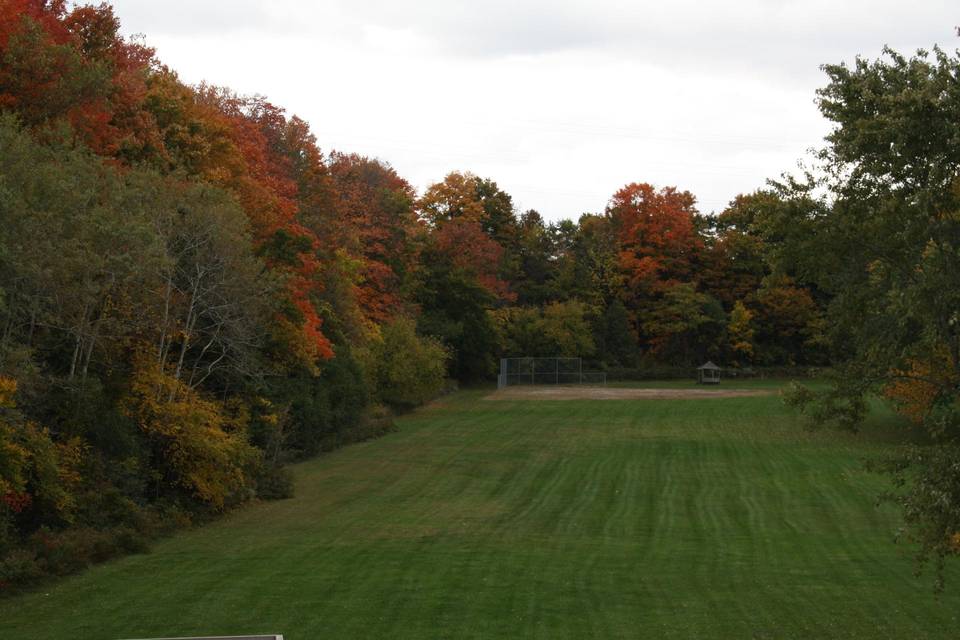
(716,518)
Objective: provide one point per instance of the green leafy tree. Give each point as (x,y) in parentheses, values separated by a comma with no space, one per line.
(885,243)
(616,336)
(519,332)
(566,328)
(587,261)
(80,251)
(535,281)
(559,329)
(683,326)
(454,309)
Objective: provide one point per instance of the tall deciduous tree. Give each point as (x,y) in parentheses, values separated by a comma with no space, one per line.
(375,207)
(887,245)
(464,208)
(656,234)
(79,249)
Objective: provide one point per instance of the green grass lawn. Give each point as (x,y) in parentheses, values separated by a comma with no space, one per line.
(564,519)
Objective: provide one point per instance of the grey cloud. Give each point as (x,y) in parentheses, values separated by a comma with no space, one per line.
(719,79)
(752,33)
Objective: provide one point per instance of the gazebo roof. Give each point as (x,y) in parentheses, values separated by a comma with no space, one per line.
(709,365)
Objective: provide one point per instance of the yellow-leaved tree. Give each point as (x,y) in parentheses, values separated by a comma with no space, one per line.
(740,332)
(35,472)
(197,445)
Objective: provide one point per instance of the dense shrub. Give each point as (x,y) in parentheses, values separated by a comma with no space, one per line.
(322,409)
(406,369)
(48,553)
(274,482)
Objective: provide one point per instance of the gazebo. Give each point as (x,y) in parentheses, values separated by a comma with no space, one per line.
(708,373)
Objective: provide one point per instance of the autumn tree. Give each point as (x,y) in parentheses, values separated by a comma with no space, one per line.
(738,269)
(38,477)
(659,245)
(789,322)
(461,268)
(375,207)
(472,214)
(277,170)
(70,66)
(656,236)
(199,448)
(741,333)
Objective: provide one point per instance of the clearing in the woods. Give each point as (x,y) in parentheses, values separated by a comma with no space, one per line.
(535,517)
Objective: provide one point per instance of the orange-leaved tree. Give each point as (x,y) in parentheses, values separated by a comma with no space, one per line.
(657,238)
(375,212)
(70,65)
(924,382)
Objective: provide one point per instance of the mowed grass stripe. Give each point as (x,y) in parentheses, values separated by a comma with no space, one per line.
(560,519)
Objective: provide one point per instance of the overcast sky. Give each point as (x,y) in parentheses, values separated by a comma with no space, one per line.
(560,102)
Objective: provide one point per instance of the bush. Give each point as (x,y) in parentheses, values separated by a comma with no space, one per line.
(275,483)
(19,567)
(50,553)
(378,421)
(321,409)
(407,369)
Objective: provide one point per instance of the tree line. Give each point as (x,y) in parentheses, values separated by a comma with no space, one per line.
(193,293)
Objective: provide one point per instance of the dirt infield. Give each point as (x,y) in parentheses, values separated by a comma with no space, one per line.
(618,393)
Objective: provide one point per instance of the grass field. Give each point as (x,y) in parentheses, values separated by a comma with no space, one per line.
(562,519)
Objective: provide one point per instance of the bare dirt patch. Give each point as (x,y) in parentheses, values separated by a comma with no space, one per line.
(618,393)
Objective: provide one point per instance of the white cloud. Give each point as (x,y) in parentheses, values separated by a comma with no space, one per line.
(560,102)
